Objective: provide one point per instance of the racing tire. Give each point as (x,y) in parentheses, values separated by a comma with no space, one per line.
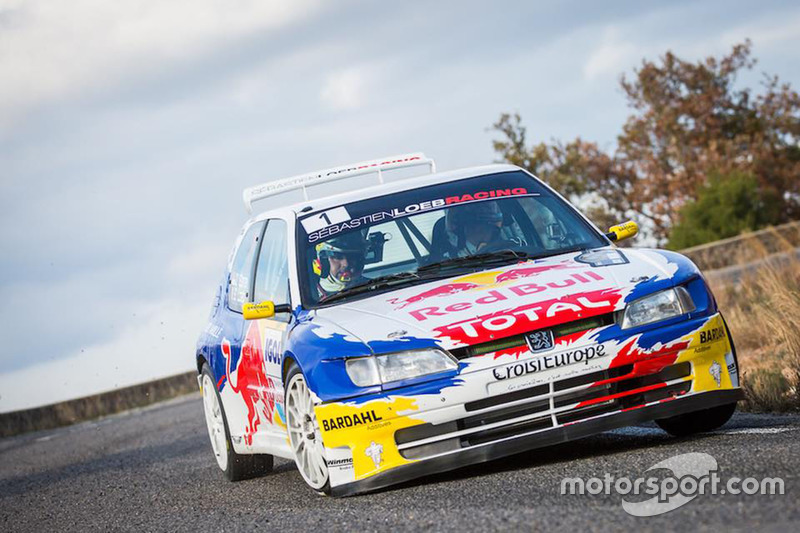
(302,426)
(236,467)
(697,421)
(706,419)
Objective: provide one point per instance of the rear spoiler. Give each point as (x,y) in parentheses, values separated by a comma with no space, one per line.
(304,181)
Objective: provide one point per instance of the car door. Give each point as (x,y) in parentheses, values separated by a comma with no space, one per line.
(233,366)
(272,283)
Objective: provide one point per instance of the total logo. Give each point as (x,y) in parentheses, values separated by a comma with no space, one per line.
(533,316)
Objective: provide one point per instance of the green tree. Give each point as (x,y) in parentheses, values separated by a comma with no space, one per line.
(689,120)
(726,206)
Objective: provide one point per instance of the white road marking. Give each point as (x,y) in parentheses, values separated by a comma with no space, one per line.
(634,431)
(756,431)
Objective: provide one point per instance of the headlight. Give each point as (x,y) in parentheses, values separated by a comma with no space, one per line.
(374,370)
(658,306)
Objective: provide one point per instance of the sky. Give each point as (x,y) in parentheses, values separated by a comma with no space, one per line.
(129,129)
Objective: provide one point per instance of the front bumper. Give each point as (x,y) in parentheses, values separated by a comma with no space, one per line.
(549,437)
(499,406)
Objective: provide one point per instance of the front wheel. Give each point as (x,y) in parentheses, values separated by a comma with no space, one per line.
(304,435)
(235,466)
(697,421)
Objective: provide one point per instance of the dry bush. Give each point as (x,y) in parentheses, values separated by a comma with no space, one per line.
(767,389)
(763,313)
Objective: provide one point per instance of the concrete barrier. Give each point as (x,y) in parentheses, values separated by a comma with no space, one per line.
(72,411)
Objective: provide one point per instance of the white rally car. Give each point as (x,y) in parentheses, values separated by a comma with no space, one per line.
(391,325)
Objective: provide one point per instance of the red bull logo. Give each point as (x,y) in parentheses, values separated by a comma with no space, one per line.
(443,290)
(484,279)
(526,272)
(251,383)
(512,293)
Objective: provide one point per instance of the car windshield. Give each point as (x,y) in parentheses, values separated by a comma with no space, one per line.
(439,231)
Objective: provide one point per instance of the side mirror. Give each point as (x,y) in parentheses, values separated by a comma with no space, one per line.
(626,230)
(265,309)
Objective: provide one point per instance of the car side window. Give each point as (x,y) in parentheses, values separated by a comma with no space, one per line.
(242,270)
(272,270)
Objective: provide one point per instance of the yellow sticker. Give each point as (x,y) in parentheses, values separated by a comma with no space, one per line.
(368,430)
(706,351)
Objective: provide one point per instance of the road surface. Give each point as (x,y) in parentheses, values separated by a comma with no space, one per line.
(152,470)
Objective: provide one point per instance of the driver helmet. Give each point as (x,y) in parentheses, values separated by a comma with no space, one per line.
(478,213)
(352,246)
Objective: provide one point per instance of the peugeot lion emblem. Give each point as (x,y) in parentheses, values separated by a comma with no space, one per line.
(540,341)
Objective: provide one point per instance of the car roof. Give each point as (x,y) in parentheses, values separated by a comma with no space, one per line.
(309,206)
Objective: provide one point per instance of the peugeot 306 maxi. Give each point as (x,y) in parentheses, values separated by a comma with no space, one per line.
(417,324)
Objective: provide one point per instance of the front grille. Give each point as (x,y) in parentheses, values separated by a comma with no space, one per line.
(518,341)
(545,406)
(563,384)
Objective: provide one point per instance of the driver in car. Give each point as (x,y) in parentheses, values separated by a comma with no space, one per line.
(340,263)
(477,228)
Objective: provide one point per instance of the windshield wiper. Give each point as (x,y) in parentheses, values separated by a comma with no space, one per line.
(489,258)
(558,252)
(381,282)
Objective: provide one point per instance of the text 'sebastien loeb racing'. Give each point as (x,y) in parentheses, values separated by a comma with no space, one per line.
(425,322)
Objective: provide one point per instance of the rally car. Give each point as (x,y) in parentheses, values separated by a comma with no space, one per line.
(397,321)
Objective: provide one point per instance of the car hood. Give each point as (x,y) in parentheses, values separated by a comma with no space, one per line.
(489,305)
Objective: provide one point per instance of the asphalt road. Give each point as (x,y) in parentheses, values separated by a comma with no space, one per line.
(152,470)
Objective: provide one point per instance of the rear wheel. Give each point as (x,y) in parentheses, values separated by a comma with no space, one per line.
(304,435)
(235,466)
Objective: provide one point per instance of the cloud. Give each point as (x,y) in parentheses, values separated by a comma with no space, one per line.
(612,56)
(53,50)
(766,32)
(160,345)
(345,89)
(107,328)
(50,319)
(623,45)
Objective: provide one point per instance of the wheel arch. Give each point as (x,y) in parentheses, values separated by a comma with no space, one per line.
(201,359)
(288,359)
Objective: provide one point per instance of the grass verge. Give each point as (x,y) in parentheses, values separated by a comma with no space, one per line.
(763,313)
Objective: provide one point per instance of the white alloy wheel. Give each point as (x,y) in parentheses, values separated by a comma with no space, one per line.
(304,435)
(215,423)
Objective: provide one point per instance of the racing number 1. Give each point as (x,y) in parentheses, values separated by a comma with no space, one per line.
(327,218)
